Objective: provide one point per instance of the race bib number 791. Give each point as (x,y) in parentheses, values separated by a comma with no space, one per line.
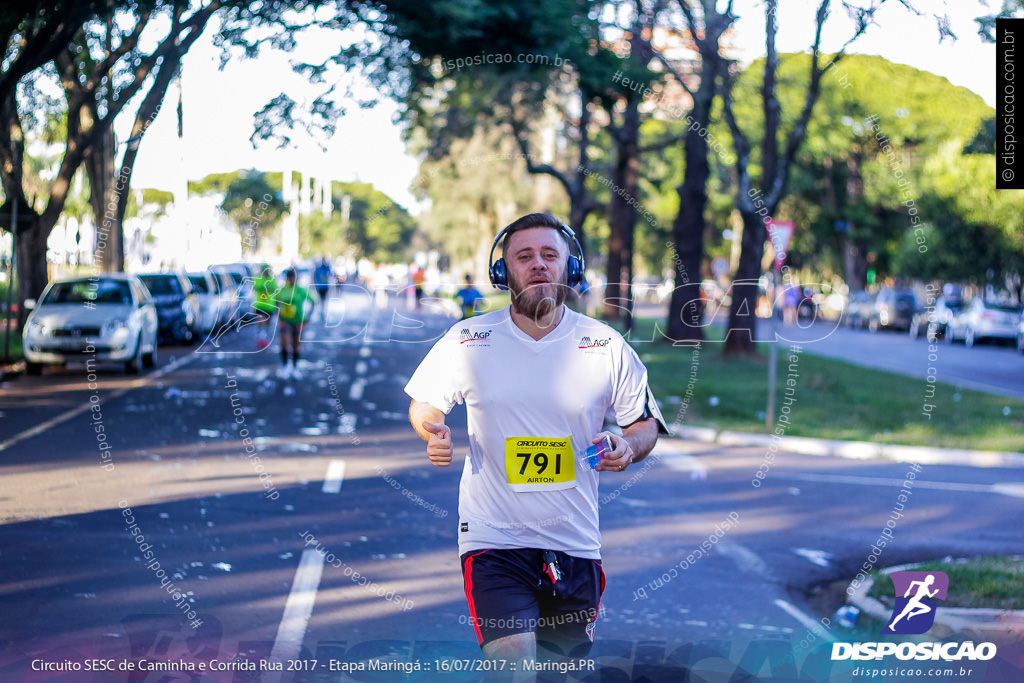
(538,464)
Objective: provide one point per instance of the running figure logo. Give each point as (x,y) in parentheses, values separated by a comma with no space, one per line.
(914,613)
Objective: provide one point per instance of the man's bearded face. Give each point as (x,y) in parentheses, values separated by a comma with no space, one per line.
(537,278)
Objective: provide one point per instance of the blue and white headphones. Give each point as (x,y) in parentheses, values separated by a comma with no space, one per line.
(498,271)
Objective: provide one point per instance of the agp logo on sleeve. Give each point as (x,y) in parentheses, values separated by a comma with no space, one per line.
(916,596)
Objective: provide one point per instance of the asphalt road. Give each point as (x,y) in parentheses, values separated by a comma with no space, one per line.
(107,553)
(989,367)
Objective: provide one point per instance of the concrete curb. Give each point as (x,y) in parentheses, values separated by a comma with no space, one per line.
(948,620)
(857,450)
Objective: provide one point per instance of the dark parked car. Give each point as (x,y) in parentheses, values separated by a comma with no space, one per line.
(858,309)
(894,309)
(934,322)
(176,305)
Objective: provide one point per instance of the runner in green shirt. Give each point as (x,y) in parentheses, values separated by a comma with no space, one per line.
(265,288)
(294,304)
(261,311)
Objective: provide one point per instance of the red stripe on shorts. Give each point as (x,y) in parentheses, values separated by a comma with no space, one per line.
(469,597)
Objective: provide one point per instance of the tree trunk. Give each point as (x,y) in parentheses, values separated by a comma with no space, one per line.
(612,310)
(618,303)
(686,309)
(30,248)
(579,205)
(104,199)
(855,262)
(743,312)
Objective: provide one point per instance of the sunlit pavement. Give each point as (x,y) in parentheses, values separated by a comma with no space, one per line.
(705,558)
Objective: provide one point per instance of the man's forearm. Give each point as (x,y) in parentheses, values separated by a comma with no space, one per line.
(420,411)
(641,437)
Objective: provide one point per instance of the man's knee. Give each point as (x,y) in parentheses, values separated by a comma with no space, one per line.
(515,647)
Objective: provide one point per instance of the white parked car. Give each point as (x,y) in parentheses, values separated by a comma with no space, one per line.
(243,282)
(214,303)
(982,319)
(108,317)
(1020,334)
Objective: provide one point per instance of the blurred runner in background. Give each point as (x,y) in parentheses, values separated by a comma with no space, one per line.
(322,277)
(295,305)
(468,296)
(265,287)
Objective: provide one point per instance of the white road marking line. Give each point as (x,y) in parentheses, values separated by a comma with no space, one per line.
(335,475)
(75,412)
(917,483)
(1010,488)
(356,391)
(818,557)
(744,558)
(810,623)
(298,609)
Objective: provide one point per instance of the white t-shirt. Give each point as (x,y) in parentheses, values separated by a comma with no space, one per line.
(521,394)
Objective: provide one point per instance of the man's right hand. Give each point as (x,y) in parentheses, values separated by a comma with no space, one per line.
(439,446)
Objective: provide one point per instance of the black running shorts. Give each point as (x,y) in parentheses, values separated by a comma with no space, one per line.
(512,591)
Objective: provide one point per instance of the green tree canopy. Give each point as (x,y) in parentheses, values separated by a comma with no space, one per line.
(254,205)
(868,164)
(375,226)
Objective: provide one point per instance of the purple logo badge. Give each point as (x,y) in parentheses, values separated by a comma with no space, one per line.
(916,593)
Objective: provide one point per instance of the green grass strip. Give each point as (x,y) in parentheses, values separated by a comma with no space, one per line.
(833,399)
(995,582)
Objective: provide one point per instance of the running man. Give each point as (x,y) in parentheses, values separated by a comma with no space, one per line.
(322,277)
(265,288)
(295,303)
(539,381)
(914,606)
(260,313)
(468,296)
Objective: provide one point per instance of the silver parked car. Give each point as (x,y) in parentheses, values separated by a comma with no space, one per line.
(1020,334)
(984,319)
(243,282)
(109,317)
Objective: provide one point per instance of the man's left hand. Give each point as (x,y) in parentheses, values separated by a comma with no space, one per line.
(620,457)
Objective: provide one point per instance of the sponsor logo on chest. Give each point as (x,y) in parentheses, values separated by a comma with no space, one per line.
(474,338)
(594,344)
